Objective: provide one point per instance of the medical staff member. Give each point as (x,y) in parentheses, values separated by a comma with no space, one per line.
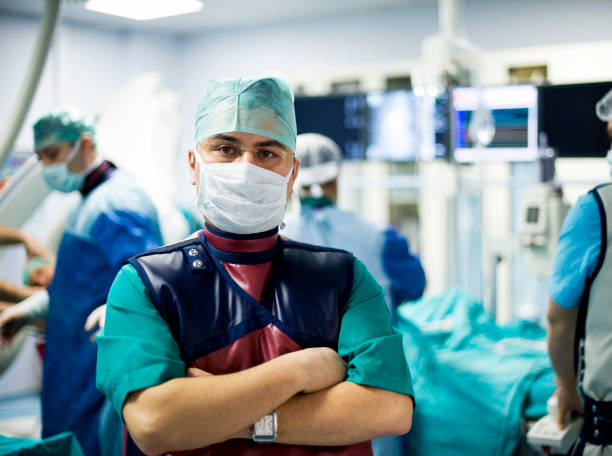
(386,253)
(236,341)
(580,312)
(114,220)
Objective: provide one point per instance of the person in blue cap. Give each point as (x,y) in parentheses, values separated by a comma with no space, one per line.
(580,312)
(113,221)
(239,341)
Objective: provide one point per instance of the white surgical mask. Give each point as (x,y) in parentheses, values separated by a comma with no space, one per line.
(241,198)
(59,178)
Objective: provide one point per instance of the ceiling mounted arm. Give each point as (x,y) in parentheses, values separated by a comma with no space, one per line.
(34,72)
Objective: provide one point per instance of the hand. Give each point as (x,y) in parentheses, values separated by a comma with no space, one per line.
(95,320)
(322,367)
(568,401)
(11,320)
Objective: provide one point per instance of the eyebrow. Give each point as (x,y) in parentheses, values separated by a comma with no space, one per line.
(270,143)
(226,138)
(266,143)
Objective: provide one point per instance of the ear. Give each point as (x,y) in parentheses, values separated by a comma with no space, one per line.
(296,169)
(87,144)
(194,169)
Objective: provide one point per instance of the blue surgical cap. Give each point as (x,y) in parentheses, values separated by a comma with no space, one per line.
(61,125)
(260,106)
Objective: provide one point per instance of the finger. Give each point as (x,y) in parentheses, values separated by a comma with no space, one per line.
(94,336)
(561,411)
(91,321)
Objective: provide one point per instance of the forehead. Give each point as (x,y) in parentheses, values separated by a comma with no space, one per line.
(52,148)
(242,137)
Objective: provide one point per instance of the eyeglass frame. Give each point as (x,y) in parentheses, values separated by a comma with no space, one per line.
(222,140)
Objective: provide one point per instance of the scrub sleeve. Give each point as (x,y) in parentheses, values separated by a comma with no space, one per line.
(577,252)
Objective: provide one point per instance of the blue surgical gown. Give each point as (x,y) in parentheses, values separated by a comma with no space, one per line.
(113,222)
(385,252)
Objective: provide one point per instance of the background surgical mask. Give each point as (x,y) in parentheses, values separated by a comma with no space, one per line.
(59,178)
(241,198)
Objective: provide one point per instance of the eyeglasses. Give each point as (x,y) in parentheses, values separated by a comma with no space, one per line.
(269,157)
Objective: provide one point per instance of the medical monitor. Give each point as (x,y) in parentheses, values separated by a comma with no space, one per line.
(403,125)
(567,116)
(514,110)
(341,117)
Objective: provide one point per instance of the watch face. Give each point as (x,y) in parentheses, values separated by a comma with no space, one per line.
(264,430)
(266,426)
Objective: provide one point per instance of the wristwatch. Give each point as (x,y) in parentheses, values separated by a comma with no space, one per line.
(264,429)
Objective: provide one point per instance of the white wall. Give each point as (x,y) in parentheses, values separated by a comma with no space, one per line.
(86,65)
(84,68)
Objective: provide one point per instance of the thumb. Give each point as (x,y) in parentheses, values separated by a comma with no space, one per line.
(95,318)
(92,320)
(561,413)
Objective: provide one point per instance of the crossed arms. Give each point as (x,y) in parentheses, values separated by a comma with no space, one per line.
(203,409)
(168,406)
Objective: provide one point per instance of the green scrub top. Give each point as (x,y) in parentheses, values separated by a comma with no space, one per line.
(136,349)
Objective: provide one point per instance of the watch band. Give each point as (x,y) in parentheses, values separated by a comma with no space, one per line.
(265,429)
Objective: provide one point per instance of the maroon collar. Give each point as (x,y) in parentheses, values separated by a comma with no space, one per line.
(97,176)
(240,244)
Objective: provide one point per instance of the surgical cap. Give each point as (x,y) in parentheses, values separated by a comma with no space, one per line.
(260,106)
(603,108)
(319,159)
(61,125)
(34,263)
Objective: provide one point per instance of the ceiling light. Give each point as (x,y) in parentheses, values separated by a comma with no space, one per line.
(144,10)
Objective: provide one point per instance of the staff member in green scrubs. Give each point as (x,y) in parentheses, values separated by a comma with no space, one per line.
(239,341)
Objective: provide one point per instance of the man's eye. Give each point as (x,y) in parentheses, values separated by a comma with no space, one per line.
(225,149)
(266,153)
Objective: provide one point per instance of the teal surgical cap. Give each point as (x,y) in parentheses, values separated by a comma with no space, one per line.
(61,125)
(260,106)
(34,263)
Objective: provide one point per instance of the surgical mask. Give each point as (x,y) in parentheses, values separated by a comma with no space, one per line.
(609,158)
(241,198)
(59,178)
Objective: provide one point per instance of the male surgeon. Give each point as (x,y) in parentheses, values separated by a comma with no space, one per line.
(238,341)
(113,221)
